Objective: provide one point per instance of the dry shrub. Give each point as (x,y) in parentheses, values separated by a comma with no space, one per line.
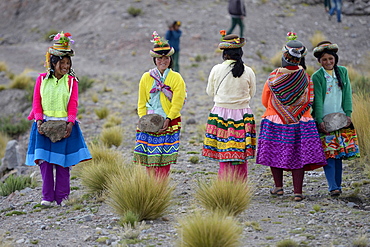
(96,174)
(143,195)
(4,139)
(3,66)
(112,121)
(230,195)
(21,81)
(102,112)
(317,37)
(353,74)
(287,243)
(112,136)
(276,60)
(361,120)
(209,230)
(361,85)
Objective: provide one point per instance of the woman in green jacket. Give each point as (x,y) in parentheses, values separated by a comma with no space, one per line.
(333,94)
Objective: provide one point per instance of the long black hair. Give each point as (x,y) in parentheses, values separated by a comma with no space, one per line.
(235,54)
(54,60)
(336,69)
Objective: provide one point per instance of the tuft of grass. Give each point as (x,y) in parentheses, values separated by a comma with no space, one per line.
(276,60)
(231,194)
(209,230)
(362,241)
(287,243)
(49,33)
(21,81)
(14,125)
(133,190)
(101,153)
(129,217)
(361,85)
(3,66)
(316,207)
(361,119)
(85,83)
(316,38)
(14,183)
(4,139)
(112,121)
(102,112)
(134,11)
(112,136)
(194,159)
(95,97)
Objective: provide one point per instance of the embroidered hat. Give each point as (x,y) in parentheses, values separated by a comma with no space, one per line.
(294,43)
(161,47)
(324,45)
(292,56)
(230,41)
(61,47)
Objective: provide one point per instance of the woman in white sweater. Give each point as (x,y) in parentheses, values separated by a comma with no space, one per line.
(230,135)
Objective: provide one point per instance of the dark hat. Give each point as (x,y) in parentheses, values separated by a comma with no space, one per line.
(230,41)
(292,56)
(294,43)
(161,47)
(324,45)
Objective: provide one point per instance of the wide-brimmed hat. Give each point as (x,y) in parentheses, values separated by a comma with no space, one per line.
(230,41)
(324,45)
(294,43)
(161,47)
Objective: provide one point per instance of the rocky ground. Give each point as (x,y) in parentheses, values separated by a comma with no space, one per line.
(112,47)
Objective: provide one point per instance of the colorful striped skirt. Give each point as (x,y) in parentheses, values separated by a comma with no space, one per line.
(158,149)
(341,144)
(290,146)
(230,135)
(66,152)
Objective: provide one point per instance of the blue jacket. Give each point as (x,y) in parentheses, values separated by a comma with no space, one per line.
(173,38)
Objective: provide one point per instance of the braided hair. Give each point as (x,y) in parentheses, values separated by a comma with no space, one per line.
(235,54)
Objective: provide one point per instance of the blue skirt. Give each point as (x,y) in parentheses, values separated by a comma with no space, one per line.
(66,152)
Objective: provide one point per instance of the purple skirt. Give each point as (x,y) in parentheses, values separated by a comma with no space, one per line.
(290,146)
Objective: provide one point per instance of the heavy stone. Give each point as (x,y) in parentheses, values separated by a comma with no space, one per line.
(13,156)
(335,121)
(54,129)
(151,123)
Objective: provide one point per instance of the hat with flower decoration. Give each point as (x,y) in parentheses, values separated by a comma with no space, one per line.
(230,41)
(161,46)
(324,45)
(61,47)
(294,43)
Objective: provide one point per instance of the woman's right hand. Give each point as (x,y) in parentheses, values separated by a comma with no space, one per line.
(39,122)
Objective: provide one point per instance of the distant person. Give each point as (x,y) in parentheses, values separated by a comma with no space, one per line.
(237,12)
(336,7)
(327,5)
(161,91)
(333,94)
(173,35)
(230,135)
(288,138)
(56,98)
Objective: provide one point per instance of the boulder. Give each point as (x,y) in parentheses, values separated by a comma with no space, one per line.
(151,123)
(54,129)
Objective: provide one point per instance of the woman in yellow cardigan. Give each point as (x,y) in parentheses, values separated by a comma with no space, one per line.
(161,91)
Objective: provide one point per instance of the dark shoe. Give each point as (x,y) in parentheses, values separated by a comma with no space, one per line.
(277,192)
(299,197)
(335,193)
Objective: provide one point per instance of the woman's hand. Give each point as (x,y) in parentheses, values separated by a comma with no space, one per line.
(349,121)
(322,128)
(68,130)
(165,125)
(39,122)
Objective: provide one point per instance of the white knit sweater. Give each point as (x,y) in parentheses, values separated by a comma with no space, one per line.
(231,92)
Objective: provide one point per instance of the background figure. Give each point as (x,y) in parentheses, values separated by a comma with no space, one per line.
(56,98)
(173,35)
(230,132)
(237,12)
(161,91)
(327,5)
(288,137)
(336,6)
(333,93)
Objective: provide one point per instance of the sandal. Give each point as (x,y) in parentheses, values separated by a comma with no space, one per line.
(299,197)
(277,192)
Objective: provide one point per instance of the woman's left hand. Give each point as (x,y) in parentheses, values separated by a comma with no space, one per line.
(165,125)
(68,129)
(349,121)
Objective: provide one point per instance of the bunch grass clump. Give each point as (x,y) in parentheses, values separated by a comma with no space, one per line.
(230,194)
(139,193)
(317,37)
(276,59)
(102,112)
(112,121)
(112,136)
(287,243)
(14,125)
(134,11)
(361,85)
(22,81)
(85,83)
(209,230)
(4,139)
(14,183)
(361,119)
(3,66)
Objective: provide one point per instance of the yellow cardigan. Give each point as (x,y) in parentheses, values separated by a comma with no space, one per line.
(178,87)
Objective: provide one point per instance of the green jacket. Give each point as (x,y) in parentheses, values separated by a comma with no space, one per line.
(319,82)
